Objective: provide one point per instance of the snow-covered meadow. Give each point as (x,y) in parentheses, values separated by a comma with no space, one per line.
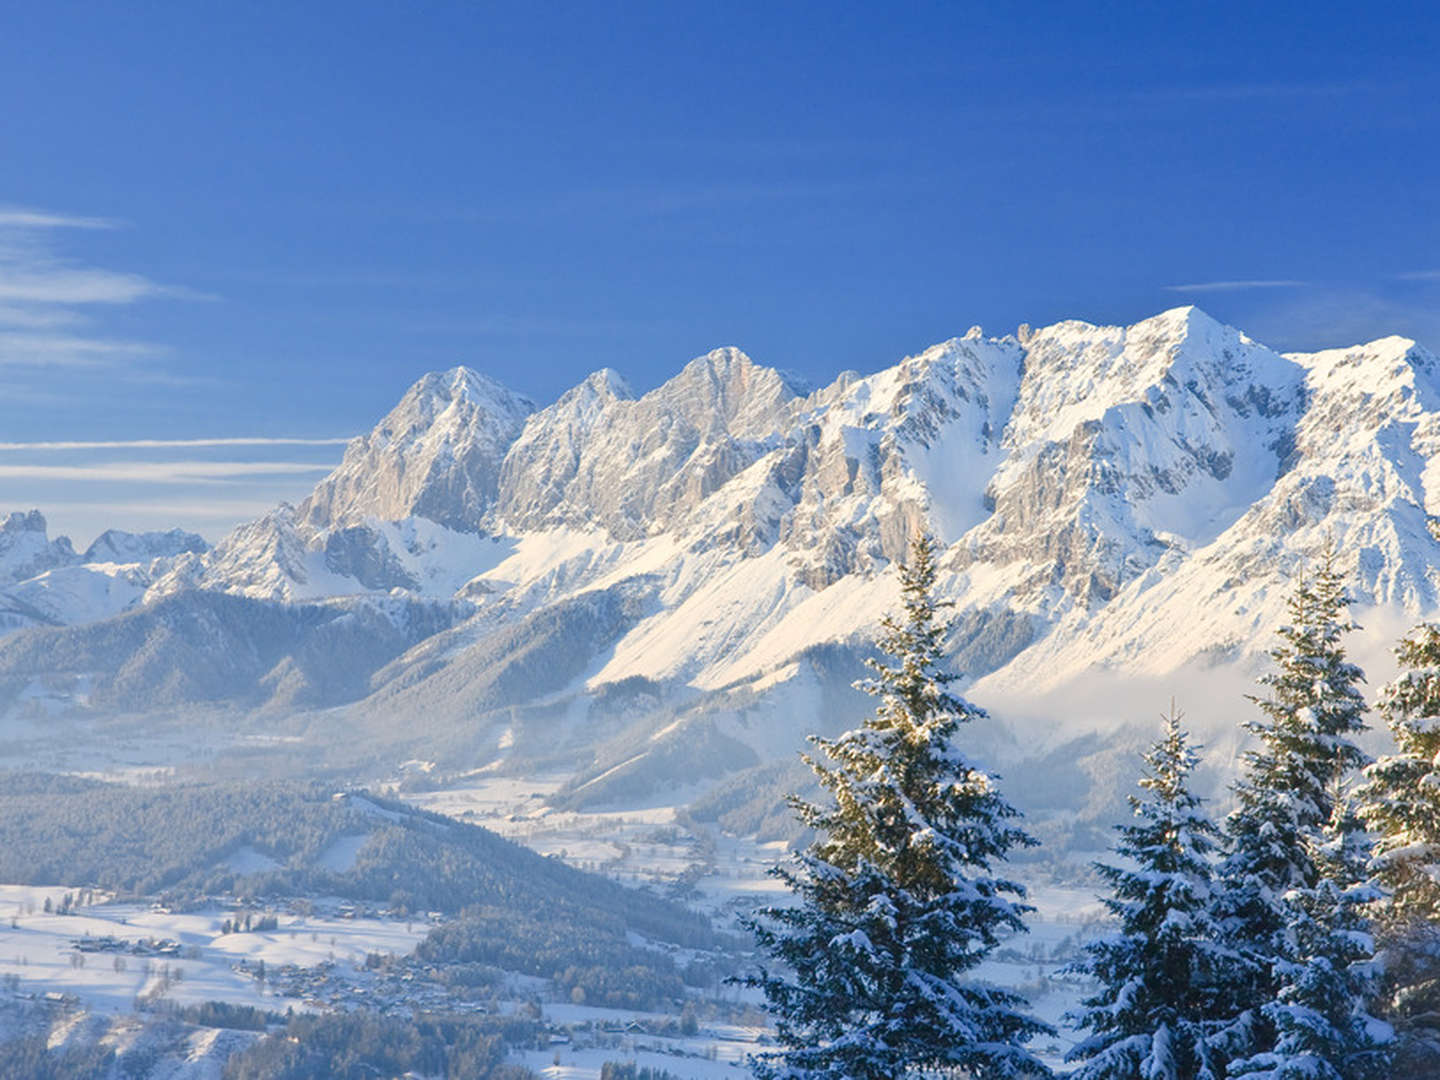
(53,953)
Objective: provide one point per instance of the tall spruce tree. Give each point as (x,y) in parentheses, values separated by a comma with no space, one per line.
(1400,796)
(1285,797)
(1400,802)
(1324,974)
(1161,975)
(897,896)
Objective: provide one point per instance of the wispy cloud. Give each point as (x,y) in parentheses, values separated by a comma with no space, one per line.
(48,350)
(35,318)
(19,217)
(162,472)
(1419,275)
(58,285)
(1237,285)
(166,514)
(212,513)
(165,444)
(45,294)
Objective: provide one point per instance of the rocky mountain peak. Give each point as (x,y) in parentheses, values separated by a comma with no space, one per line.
(1387,365)
(1075,372)
(606,384)
(19,521)
(1134,496)
(436,455)
(726,389)
(26,548)
(118,546)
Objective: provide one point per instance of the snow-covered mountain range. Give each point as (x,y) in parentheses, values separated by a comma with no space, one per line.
(681,583)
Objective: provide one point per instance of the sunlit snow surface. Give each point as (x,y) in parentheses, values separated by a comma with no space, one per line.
(652,847)
(1135,501)
(42,947)
(645,847)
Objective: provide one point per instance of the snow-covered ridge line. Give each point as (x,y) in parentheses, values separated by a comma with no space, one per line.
(1131,498)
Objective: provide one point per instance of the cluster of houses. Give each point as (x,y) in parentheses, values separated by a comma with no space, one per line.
(130,947)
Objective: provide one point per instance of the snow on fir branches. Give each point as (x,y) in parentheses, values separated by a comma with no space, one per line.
(1400,799)
(1324,972)
(1287,789)
(898,901)
(1400,802)
(1292,899)
(1162,988)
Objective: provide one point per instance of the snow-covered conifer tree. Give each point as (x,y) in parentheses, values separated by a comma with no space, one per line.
(898,900)
(1400,798)
(1161,974)
(1325,976)
(1286,795)
(1400,802)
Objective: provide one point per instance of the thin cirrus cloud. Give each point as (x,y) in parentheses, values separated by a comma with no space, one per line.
(1236,285)
(58,285)
(18,217)
(36,318)
(227,512)
(1419,275)
(69,350)
(165,444)
(163,472)
(44,295)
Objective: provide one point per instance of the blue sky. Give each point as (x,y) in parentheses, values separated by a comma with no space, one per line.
(263,222)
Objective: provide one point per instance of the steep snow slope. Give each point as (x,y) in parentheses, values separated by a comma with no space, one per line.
(1363,473)
(633,467)
(627,572)
(78,594)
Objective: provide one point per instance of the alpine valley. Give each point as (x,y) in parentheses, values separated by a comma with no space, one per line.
(655,597)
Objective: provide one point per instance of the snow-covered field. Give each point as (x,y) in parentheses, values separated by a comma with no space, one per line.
(655,845)
(728,874)
(45,950)
(190,959)
(707,1056)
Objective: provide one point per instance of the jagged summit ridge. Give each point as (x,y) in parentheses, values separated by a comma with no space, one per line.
(1127,442)
(1132,497)
(436,455)
(44,582)
(636,466)
(118,546)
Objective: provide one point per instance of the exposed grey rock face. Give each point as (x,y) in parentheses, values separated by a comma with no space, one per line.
(264,558)
(1128,498)
(437,455)
(1127,442)
(361,553)
(117,546)
(541,478)
(26,548)
(911,447)
(599,457)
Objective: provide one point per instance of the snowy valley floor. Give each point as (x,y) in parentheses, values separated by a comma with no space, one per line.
(91,969)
